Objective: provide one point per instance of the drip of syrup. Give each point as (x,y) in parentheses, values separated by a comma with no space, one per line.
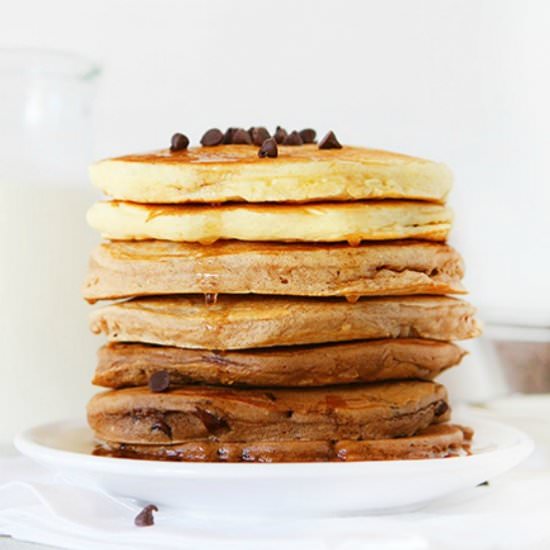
(210,299)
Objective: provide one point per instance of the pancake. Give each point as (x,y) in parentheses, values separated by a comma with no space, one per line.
(435,441)
(371,411)
(253,321)
(305,173)
(322,222)
(122,365)
(122,269)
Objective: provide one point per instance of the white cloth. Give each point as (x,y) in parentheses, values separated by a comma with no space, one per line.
(36,505)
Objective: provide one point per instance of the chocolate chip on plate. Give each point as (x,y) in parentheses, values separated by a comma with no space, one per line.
(145,517)
(329,142)
(293,138)
(308,135)
(280,134)
(269,149)
(241,137)
(212,137)
(228,136)
(159,381)
(179,142)
(258,134)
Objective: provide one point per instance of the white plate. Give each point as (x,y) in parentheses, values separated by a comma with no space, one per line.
(304,489)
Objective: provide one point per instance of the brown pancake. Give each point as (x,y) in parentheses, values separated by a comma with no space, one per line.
(241,322)
(435,441)
(372,411)
(122,269)
(123,365)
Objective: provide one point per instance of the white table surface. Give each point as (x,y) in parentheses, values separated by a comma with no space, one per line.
(7,543)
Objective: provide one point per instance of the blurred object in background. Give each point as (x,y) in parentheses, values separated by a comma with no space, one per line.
(45,147)
(522,350)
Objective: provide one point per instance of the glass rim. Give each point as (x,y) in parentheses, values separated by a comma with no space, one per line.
(47,63)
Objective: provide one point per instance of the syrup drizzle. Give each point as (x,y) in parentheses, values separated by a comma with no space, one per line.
(210,299)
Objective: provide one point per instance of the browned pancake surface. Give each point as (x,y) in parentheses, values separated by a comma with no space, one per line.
(121,269)
(240,322)
(435,441)
(372,411)
(122,365)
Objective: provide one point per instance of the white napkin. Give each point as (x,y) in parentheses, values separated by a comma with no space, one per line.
(39,506)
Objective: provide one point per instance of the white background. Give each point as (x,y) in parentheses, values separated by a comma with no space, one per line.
(462,81)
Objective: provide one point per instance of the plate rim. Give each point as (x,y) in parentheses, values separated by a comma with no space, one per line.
(25,442)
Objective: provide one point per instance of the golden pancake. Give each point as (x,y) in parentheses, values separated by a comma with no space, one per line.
(435,441)
(122,269)
(323,222)
(122,365)
(253,321)
(303,174)
(369,411)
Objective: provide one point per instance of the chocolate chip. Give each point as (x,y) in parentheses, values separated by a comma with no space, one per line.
(214,424)
(161,426)
(269,149)
(280,134)
(241,137)
(212,137)
(483,484)
(179,142)
(329,142)
(441,408)
(293,139)
(145,517)
(308,135)
(228,136)
(270,396)
(258,134)
(159,381)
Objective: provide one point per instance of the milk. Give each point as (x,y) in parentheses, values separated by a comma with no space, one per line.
(47,354)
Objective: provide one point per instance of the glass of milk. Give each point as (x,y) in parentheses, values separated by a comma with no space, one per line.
(46,352)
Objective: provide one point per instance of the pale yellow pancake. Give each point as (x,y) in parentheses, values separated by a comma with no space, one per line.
(322,222)
(301,173)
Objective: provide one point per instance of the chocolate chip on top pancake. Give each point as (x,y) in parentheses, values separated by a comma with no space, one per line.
(435,441)
(373,411)
(304,174)
(122,269)
(122,365)
(240,322)
(321,222)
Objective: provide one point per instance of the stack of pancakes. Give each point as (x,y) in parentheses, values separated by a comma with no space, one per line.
(275,309)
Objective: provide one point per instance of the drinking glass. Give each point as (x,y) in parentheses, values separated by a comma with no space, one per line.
(46,351)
